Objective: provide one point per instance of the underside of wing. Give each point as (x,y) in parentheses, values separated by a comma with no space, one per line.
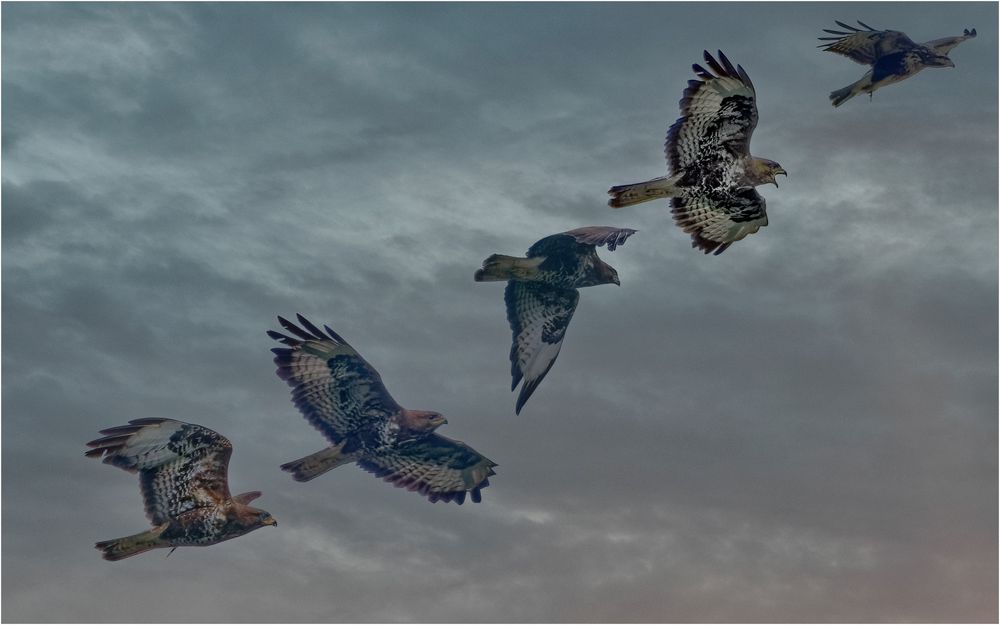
(182,466)
(538,315)
(945,44)
(435,466)
(333,387)
(865,46)
(601,235)
(715,220)
(718,115)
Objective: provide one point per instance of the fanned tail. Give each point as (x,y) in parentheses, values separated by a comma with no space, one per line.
(120,548)
(314,465)
(629,194)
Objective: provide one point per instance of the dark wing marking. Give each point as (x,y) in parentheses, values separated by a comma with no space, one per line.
(901,64)
(601,235)
(334,388)
(945,44)
(718,116)
(538,315)
(181,466)
(718,218)
(437,467)
(865,46)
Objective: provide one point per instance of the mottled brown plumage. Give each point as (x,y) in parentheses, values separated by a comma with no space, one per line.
(712,174)
(541,295)
(182,471)
(343,397)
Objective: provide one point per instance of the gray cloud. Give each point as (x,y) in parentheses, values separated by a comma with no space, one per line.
(801,429)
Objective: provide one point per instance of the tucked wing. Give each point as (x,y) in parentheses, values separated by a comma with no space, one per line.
(718,115)
(601,235)
(437,467)
(865,46)
(716,219)
(538,315)
(334,388)
(945,44)
(181,466)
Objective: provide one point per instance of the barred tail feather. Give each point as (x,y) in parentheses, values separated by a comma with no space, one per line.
(314,465)
(120,548)
(629,194)
(500,267)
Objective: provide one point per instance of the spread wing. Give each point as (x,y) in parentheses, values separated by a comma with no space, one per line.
(718,218)
(945,44)
(601,235)
(538,315)
(718,115)
(334,388)
(865,46)
(437,467)
(181,466)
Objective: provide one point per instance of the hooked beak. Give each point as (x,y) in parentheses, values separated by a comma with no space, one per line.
(271,521)
(776,172)
(439,421)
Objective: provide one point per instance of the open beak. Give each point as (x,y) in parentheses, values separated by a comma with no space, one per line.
(776,172)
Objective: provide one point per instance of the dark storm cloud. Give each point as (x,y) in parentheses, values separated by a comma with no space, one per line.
(800,429)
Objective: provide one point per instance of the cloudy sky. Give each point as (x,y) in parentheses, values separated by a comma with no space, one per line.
(803,428)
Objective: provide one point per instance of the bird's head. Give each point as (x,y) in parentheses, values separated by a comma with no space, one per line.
(764,171)
(601,273)
(422,420)
(264,518)
(940,60)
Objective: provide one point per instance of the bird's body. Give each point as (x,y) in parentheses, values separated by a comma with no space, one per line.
(343,397)
(892,55)
(183,474)
(542,295)
(712,173)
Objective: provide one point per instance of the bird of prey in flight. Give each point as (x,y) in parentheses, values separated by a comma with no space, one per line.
(891,54)
(712,173)
(541,295)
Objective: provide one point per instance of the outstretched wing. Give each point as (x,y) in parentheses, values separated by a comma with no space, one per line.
(334,388)
(718,218)
(718,115)
(945,44)
(601,235)
(865,46)
(181,466)
(435,466)
(538,315)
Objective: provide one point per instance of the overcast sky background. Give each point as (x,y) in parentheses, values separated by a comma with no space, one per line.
(803,428)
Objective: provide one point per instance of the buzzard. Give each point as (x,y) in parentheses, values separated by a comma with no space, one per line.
(343,397)
(183,473)
(892,55)
(542,294)
(712,173)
